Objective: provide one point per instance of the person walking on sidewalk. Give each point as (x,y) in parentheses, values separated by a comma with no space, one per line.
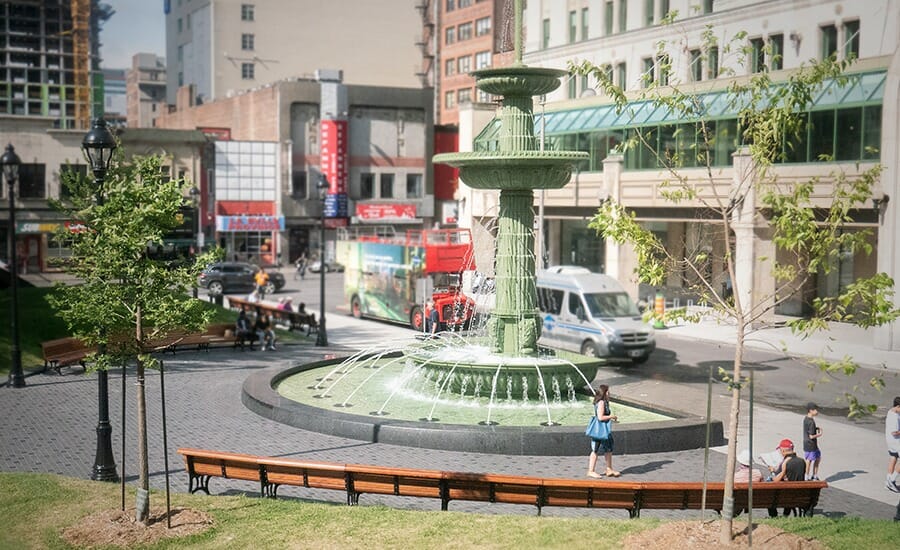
(892,437)
(811,435)
(605,446)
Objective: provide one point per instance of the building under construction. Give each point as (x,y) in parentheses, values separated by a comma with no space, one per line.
(49,59)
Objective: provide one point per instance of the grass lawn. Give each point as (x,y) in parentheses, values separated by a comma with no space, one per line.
(37,507)
(38,322)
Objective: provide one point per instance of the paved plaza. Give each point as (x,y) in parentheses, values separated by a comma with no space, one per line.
(49,426)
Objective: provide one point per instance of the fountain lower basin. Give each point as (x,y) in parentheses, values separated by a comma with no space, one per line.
(454,424)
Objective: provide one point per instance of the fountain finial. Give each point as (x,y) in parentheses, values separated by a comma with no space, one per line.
(517,33)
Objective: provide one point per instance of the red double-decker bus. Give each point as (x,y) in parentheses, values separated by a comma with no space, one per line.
(392,277)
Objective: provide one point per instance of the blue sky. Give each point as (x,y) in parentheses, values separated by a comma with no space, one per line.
(138,26)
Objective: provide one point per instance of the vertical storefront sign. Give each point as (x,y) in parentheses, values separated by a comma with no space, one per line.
(333,164)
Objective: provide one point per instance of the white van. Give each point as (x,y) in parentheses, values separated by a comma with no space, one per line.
(591,314)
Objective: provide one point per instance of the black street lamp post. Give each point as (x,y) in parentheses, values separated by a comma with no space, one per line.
(99,145)
(321,335)
(195,227)
(10,161)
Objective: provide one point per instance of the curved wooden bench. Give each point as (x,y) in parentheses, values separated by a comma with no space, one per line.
(358,479)
(63,352)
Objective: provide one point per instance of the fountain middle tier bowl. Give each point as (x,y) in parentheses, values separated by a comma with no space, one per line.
(514,170)
(523,377)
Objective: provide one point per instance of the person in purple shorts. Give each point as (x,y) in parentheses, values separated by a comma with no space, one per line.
(811,435)
(892,437)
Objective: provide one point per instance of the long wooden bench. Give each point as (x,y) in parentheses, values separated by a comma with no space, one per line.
(295,320)
(358,479)
(63,352)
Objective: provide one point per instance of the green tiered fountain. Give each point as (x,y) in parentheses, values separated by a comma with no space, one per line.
(517,168)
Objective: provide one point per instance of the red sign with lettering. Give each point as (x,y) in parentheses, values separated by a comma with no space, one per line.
(377,211)
(334,155)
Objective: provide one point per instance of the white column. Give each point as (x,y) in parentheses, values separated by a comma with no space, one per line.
(888,337)
(621,261)
(754,250)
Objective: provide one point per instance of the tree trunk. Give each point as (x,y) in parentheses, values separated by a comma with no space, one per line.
(142,503)
(726,533)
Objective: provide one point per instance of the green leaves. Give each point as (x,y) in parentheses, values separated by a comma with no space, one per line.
(126,299)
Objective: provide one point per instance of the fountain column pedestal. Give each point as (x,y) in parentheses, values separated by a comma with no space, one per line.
(515,322)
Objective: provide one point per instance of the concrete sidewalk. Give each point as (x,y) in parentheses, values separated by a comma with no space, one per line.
(839,341)
(854,458)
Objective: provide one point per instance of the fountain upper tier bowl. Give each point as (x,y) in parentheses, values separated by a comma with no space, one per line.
(518,80)
(514,169)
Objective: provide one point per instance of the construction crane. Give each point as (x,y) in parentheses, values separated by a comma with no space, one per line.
(81,48)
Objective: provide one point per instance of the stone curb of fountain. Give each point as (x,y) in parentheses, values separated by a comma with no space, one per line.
(259,395)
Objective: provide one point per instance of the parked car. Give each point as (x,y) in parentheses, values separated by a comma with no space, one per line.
(223,277)
(329,267)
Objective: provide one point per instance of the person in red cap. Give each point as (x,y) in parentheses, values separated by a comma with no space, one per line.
(792,468)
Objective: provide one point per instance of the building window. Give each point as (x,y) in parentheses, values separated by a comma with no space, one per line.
(464,64)
(707,6)
(465,3)
(387,186)
(482,60)
(545,34)
(188,21)
(608,73)
(584,23)
(572,87)
(585,83)
(367,186)
(663,8)
(31,181)
(449,5)
(712,70)
(757,55)
(248,71)
(482,26)
(413,186)
(696,68)
(450,67)
(68,172)
(776,52)
(573,26)
(484,97)
(180,78)
(247,41)
(851,40)
(608,19)
(621,76)
(464,32)
(663,68)
(180,53)
(247,12)
(449,35)
(449,100)
(649,7)
(828,37)
(623,15)
(464,95)
(647,76)
(298,184)
(180,25)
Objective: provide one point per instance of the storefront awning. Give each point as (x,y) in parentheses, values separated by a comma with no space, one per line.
(857,90)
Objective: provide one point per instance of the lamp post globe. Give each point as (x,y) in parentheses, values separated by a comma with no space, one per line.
(321,334)
(99,145)
(10,162)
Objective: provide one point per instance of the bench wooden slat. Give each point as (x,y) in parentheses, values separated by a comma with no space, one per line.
(357,479)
